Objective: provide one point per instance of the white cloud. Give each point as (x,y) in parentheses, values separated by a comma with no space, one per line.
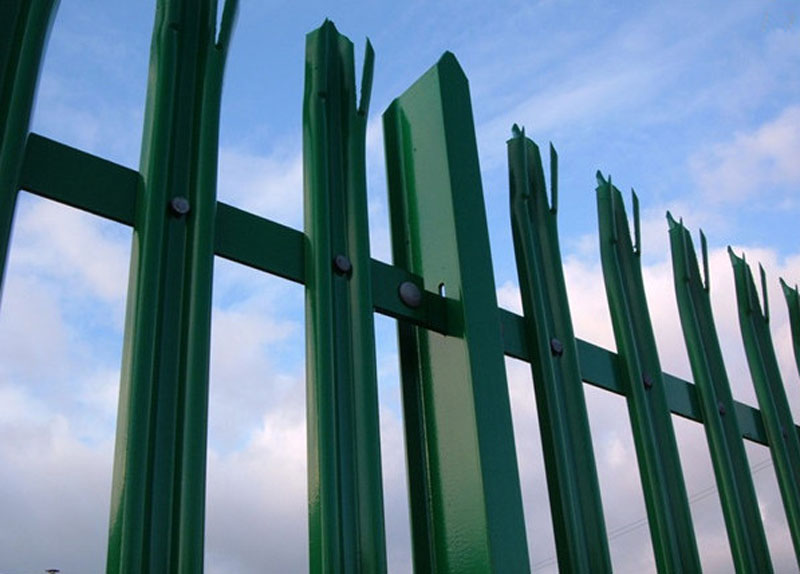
(270,185)
(758,162)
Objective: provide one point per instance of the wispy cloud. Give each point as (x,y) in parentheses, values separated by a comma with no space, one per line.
(762,162)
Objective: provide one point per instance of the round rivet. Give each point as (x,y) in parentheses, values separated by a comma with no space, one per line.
(179,205)
(721,408)
(342,264)
(783,432)
(648,382)
(556,347)
(410,294)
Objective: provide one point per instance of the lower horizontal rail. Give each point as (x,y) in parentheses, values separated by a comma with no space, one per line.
(64,174)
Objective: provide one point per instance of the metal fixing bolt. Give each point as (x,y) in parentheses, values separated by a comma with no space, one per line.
(179,205)
(410,294)
(721,408)
(648,382)
(342,264)
(556,347)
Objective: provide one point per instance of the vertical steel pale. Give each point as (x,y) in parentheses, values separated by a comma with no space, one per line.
(575,504)
(345,500)
(731,467)
(784,445)
(158,491)
(665,496)
(24,27)
(466,505)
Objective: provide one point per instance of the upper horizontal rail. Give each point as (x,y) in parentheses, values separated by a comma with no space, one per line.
(78,179)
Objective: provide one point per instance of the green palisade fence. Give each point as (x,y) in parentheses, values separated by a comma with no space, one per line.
(464,488)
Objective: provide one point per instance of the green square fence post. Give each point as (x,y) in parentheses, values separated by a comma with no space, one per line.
(466,506)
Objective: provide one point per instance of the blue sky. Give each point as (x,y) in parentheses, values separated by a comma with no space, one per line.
(695,104)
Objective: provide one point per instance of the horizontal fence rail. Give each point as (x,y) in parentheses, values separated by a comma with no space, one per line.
(69,176)
(464,488)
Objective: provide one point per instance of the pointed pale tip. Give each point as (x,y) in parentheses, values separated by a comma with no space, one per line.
(600,179)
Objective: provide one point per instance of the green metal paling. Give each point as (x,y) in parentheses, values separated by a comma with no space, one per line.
(24,26)
(466,505)
(731,467)
(345,500)
(665,496)
(158,491)
(784,444)
(575,504)
(793,302)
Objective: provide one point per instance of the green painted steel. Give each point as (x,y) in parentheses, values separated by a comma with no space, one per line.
(784,444)
(793,303)
(466,506)
(84,181)
(732,470)
(466,509)
(345,499)
(158,492)
(24,26)
(575,505)
(665,496)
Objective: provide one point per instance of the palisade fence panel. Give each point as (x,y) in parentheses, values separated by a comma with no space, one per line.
(464,491)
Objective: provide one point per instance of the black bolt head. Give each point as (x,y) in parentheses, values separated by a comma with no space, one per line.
(556,347)
(342,264)
(410,294)
(179,205)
